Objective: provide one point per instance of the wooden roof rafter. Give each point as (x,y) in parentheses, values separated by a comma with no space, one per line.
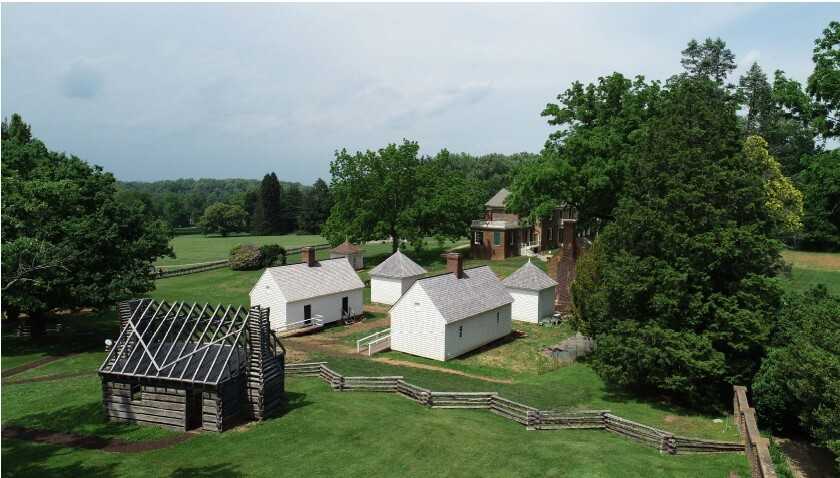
(180,342)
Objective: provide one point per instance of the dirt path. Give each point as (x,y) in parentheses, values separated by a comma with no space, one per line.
(805,460)
(33,364)
(113,445)
(405,363)
(47,378)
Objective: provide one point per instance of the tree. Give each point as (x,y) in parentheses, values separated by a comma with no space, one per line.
(682,286)
(374,194)
(820,183)
(268,215)
(68,239)
(784,201)
(711,60)
(824,82)
(757,96)
(315,209)
(292,202)
(798,386)
(223,219)
(585,162)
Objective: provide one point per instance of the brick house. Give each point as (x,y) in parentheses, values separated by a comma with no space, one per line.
(501,234)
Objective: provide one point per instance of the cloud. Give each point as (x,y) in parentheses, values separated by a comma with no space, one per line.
(439,102)
(82,80)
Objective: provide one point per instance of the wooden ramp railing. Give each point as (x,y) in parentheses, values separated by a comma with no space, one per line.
(531,417)
(374,343)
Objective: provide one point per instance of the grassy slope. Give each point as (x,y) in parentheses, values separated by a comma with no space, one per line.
(196,248)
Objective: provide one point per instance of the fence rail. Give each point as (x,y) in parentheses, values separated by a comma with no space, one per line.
(175,270)
(531,417)
(756,447)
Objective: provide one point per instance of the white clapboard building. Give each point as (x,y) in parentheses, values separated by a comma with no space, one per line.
(393,277)
(533,293)
(444,316)
(327,290)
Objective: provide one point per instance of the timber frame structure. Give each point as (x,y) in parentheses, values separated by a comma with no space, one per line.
(189,366)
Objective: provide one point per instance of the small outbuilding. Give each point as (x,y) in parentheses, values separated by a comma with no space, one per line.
(533,293)
(190,366)
(393,277)
(352,252)
(444,316)
(327,290)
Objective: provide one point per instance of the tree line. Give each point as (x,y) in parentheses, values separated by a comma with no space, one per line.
(695,184)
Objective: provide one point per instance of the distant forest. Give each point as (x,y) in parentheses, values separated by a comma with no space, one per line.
(182,203)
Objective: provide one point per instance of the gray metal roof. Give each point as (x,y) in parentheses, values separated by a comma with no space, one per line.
(180,342)
(479,290)
(331,276)
(398,266)
(498,199)
(529,277)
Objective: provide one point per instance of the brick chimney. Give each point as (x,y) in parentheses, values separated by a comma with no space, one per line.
(308,254)
(454,264)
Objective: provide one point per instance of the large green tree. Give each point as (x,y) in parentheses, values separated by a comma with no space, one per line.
(710,59)
(679,298)
(224,219)
(820,183)
(586,160)
(316,206)
(68,239)
(395,193)
(268,214)
(824,82)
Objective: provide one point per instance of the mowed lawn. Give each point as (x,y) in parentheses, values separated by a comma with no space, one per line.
(197,248)
(811,268)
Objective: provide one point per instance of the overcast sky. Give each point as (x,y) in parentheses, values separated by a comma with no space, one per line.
(167,91)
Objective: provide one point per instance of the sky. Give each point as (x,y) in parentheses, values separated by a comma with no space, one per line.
(161,91)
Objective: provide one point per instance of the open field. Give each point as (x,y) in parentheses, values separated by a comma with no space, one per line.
(811,268)
(192,249)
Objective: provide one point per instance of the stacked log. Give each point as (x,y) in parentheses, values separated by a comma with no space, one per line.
(333,378)
(644,434)
(148,405)
(695,445)
(265,375)
(461,399)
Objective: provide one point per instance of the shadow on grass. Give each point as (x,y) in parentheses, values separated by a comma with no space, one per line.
(220,470)
(81,332)
(24,459)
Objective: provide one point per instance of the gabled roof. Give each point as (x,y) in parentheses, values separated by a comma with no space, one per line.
(479,290)
(498,199)
(180,342)
(299,281)
(398,266)
(347,247)
(529,277)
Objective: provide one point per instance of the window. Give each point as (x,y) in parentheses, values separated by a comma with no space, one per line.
(136,392)
(460,331)
(497,238)
(497,317)
(511,234)
(479,237)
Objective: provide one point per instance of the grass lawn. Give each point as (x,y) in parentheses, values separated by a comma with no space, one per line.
(811,268)
(324,433)
(197,248)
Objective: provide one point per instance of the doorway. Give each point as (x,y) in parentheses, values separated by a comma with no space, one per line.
(194,409)
(345,306)
(307,314)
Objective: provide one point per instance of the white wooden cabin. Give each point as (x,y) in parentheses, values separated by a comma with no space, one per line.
(327,290)
(444,316)
(352,252)
(393,277)
(533,293)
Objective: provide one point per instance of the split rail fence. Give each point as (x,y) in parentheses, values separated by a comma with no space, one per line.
(172,271)
(532,418)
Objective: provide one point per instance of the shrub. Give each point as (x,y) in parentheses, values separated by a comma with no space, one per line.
(246,257)
(273,252)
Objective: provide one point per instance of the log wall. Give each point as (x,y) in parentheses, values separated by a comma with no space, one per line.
(153,405)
